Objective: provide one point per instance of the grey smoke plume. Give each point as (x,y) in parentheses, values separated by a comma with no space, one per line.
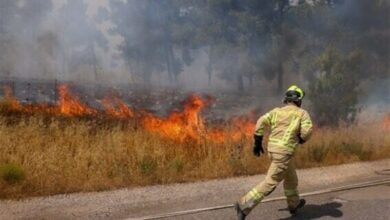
(254,47)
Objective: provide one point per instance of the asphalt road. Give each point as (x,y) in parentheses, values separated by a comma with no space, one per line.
(361,204)
(368,203)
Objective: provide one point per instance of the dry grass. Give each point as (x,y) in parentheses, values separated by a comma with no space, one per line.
(62,155)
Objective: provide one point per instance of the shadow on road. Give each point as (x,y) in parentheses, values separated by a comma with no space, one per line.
(317,211)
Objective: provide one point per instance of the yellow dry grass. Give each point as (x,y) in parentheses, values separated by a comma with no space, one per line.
(63,155)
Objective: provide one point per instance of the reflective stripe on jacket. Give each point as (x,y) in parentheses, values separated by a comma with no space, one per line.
(286,124)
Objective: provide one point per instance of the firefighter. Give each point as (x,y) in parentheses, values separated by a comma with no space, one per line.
(288,127)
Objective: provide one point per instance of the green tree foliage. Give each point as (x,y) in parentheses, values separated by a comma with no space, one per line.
(240,36)
(245,41)
(334,94)
(157,36)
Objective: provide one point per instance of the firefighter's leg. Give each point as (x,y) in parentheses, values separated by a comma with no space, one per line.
(290,185)
(275,174)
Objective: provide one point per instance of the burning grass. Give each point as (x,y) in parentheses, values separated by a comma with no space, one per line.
(58,152)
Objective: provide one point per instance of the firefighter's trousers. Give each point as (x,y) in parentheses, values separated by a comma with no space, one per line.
(282,168)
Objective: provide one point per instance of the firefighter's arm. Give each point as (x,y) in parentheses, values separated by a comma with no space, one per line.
(306,128)
(263,121)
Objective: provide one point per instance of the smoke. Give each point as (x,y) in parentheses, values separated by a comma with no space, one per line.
(375,101)
(73,41)
(251,49)
(56,39)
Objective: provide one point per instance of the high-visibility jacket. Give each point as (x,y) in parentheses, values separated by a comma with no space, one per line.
(286,125)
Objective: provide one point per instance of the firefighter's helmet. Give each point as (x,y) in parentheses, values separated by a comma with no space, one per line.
(294,94)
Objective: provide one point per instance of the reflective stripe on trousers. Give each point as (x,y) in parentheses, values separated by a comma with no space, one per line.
(282,168)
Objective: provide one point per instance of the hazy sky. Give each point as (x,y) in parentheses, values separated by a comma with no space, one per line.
(93,5)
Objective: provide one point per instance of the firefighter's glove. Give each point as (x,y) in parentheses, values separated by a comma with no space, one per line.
(258,148)
(301,141)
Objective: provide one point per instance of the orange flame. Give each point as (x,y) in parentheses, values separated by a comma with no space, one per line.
(70,105)
(244,125)
(117,108)
(181,126)
(239,127)
(13,103)
(386,121)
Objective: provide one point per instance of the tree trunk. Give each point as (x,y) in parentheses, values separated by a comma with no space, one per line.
(240,82)
(64,64)
(131,70)
(209,72)
(146,74)
(168,61)
(250,78)
(209,67)
(94,61)
(280,78)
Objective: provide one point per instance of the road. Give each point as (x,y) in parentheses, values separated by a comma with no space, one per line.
(366,203)
(362,204)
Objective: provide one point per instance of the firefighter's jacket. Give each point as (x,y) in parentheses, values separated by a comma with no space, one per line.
(286,126)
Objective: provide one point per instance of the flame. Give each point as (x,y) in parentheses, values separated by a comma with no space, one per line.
(386,121)
(244,125)
(180,126)
(70,105)
(185,125)
(238,127)
(117,108)
(189,124)
(13,103)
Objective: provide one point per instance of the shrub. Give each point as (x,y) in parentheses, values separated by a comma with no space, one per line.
(318,153)
(147,166)
(177,165)
(334,94)
(355,149)
(11,173)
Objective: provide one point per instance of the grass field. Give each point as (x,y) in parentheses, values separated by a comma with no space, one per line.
(45,155)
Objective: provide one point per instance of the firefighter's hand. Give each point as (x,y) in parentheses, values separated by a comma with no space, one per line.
(301,141)
(258,148)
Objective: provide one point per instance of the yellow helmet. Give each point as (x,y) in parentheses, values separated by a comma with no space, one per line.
(294,94)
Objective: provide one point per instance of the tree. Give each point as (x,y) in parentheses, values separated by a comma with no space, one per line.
(8,11)
(359,31)
(81,36)
(20,23)
(246,39)
(334,94)
(156,36)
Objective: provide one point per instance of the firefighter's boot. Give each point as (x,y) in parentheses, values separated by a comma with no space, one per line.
(240,214)
(302,203)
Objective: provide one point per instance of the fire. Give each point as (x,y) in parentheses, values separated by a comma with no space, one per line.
(244,125)
(10,99)
(185,125)
(238,127)
(181,126)
(189,124)
(386,121)
(70,105)
(117,108)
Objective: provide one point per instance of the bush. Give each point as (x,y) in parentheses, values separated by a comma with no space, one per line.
(177,165)
(318,153)
(355,149)
(147,166)
(334,93)
(11,173)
